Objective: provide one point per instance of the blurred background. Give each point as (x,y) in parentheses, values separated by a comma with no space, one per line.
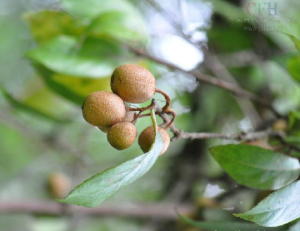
(54,53)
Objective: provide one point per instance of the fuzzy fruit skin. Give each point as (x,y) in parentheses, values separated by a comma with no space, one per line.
(146,139)
(103,109)
(122,135)
(103,129)
(58,185)
(130,115)
(280,125)
(133,83)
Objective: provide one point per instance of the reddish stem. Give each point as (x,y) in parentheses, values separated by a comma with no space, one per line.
(168,100)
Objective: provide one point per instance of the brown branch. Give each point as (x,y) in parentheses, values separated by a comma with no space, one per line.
(178,134)
(205,78)
(172,112)
(212,63)
(160,211)
(201,77)
(167,120)
(226,136)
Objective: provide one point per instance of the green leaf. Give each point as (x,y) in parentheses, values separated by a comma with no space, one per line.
(228,10)
(101,186)
(47,25)
(256,167)
(113,23)
(293,67)
(294,116)
(277,209)
(76,88)
(29,109)
(294,140)
(57,55)
(103,46)
(71,88)
(224,225)
(244,40)
(295,41)
(89,10)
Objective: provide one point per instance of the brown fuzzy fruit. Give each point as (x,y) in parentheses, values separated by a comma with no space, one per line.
(133,83)
(146,139)
(58,185)
(129,117)
(103,129)
(280,125)
(103,109)
(122,135)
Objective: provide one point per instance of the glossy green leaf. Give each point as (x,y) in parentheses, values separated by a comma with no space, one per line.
(40,96)
(103,46)
(89,10)
(293,66)
(112,23)
(47,25)
(92,8)
(76,88)
(71,88)
(256,167)
(58,56)
(101,186)
(224,225)
(277,209)
(22,106)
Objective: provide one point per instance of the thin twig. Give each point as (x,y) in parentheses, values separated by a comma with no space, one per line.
(172,112)
(227,136)
(161,211)
(178,134)
(212,63)
(168,100)
(205,78)
(201,77)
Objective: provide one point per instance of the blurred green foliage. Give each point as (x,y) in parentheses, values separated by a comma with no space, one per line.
(52,58)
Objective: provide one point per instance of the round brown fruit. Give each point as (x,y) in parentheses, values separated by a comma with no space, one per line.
(103,109)
(129,117)
(280,125)
(103,129)
(58,185)
(122,135)
(133,83)
(146,139)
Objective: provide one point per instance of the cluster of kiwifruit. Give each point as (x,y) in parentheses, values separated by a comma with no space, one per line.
(130,83)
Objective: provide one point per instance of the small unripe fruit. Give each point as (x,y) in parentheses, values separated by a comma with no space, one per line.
(146,139)
(58,185)
(103,109)
(280,125)
(133,83)
(122,135)
(129,117)
(103,129)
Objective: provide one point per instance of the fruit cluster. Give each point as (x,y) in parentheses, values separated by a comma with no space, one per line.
(130,83)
